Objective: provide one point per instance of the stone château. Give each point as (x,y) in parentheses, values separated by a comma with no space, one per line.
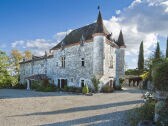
(84,53)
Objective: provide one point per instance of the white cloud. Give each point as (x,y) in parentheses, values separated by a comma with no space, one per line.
(60,35)
(118,12)
(39,46)
(16,43)
(143,20)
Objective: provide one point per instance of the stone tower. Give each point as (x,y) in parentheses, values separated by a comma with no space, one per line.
(98,47)
(120,62)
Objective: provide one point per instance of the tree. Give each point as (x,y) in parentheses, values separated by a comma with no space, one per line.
(5,80)
(157,54)
(16,57)
(3,62)
(141,57)
(27,54)
(167,48)
(95,82)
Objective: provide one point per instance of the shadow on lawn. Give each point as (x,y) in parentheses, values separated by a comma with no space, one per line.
(131,90)
(84,108)
(118,118)
(18,93)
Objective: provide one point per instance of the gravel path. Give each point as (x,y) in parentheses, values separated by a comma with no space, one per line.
(26,108)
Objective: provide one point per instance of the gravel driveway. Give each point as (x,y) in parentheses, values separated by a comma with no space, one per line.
(26,108)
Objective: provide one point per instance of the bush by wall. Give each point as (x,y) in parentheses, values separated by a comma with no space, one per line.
(145,112)
(95,83)
(107,89)
(19,86)
(160,75)
(85,89)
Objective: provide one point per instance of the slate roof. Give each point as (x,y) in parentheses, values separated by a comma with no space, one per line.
(37,77)
(100,28)
(87,32)
(36,58)
(120,41)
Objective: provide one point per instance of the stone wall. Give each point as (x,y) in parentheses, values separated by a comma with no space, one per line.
(121,62)
(109,63)
(99,57)
(73,66)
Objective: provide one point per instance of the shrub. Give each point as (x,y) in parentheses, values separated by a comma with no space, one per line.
(45,82)
(19,86)
(145,75)
(95,82)
(145,112)
(85,89)
(49,88)
(160,75)
(8,81)
(107,89)
(35,84)
(66,88)
(117,87)
(163,118)
(121,81)
(74,89)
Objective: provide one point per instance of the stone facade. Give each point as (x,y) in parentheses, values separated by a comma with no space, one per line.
(75,64)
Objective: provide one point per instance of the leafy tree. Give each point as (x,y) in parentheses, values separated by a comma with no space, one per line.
(3,62)
(95,82)
(157,52)
(5,80)
(141,57)
(132,72)
(16,57)
(167,49)
(160,75)
(27,54)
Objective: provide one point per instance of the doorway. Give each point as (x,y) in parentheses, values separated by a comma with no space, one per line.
(62,83)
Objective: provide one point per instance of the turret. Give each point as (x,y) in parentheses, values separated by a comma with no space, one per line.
(120,58)
(99,37)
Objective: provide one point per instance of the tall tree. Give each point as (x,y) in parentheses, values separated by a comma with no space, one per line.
(27,54)
(16,57)
(157,52)
(4,74)
(141,57)
(167,48)
(3,62)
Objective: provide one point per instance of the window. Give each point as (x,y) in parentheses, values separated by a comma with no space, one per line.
(82,83)
(83,61)
(111,62)
(56,64)
(63,62)
(72,79)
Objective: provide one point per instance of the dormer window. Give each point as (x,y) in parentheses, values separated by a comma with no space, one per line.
(62,45)
(82,40)
(63,61)
(82,62)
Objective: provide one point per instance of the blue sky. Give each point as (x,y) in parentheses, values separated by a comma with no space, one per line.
(26,23)
(30,19)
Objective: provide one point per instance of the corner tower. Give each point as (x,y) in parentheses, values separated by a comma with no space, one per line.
(120,58)
(99,37)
